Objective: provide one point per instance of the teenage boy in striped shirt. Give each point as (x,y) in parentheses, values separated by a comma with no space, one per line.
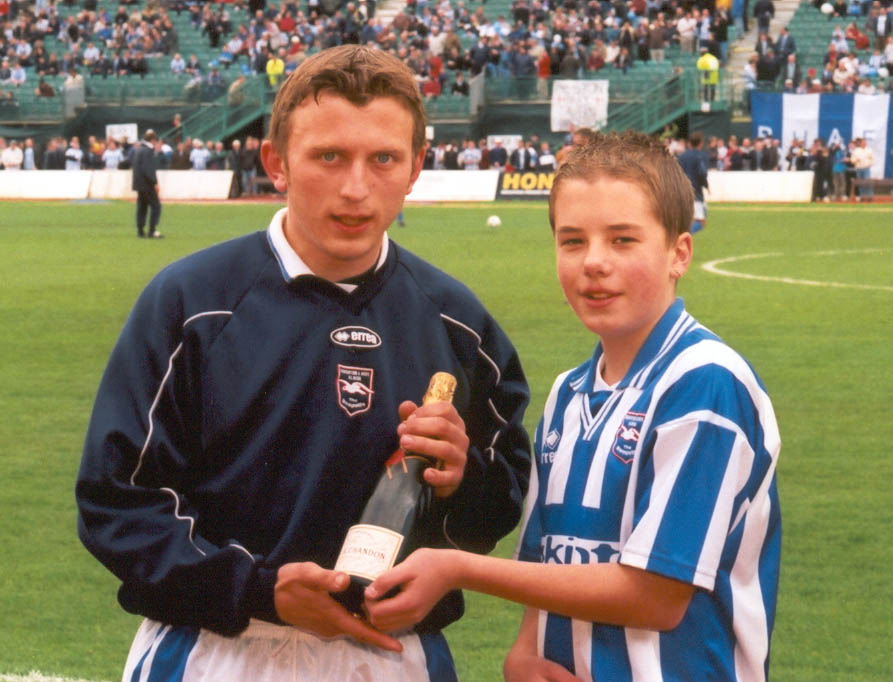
(650,543)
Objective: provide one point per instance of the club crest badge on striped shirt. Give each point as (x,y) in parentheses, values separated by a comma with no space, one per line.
(354,385)
(627,437)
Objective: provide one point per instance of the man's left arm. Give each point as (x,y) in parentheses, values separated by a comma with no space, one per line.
(487,504)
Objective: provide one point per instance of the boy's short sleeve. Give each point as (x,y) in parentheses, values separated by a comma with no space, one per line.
(704,471)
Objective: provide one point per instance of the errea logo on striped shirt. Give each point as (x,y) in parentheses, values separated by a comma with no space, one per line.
(355,337)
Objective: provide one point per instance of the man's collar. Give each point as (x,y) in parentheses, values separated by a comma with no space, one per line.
(291,264)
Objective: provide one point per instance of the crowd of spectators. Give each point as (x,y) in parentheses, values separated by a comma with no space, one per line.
(835,165)
(445,42)
(59,153)
(48,42)
(438,39)
(776,62)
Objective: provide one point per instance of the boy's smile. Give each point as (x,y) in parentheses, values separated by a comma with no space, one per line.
(614,263)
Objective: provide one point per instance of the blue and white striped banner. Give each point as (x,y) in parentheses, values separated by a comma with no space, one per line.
(831,117)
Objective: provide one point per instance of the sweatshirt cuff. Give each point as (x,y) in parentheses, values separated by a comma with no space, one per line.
(260,596)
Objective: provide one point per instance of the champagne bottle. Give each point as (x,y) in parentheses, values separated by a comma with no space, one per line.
(400,499)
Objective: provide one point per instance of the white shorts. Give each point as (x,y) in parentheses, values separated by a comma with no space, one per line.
(265,652)
(700,210)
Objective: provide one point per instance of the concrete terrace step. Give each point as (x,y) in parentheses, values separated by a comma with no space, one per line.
(743,47)
(388,9)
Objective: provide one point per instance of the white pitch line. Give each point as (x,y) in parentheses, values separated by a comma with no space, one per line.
(35,676)
(713,267)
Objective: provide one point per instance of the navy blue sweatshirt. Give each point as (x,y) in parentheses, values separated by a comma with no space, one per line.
(244,418)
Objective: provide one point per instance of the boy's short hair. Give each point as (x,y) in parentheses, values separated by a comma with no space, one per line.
(638,158)
(583,136)
(355,72)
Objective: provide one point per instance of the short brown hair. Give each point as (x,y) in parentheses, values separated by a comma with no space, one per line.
(584,135)
(355,72)
(640,159)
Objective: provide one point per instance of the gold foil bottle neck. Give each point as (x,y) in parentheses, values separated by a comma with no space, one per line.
(440,388)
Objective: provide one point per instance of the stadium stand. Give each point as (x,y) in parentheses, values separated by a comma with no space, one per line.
(509,54)
(139,40)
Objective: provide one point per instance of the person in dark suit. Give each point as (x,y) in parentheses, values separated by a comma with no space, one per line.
(785,45)
(790,70)
(763,12)
(145,183)
(767,69)
(763,44)
(55,155)
(521,159)
(879,26)
(770,157)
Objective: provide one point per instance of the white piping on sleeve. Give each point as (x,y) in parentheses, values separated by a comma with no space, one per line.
(478,338)
(502,420)
(188,519)
(155,401)
(206,314)
(145,448)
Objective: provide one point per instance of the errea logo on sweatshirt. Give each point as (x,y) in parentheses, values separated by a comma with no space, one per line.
(355,337)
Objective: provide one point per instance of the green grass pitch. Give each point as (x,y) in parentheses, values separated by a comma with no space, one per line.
(814,316)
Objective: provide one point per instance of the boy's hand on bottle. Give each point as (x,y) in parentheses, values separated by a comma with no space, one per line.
(423,578)
(436,430)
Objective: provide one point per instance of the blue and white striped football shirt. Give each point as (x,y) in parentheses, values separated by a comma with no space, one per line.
(671,470)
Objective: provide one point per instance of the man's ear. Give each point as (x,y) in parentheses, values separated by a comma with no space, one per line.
(277,169)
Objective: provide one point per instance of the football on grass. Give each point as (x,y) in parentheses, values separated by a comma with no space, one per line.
(494,221)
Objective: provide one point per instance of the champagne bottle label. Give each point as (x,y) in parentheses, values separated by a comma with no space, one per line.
(368,551)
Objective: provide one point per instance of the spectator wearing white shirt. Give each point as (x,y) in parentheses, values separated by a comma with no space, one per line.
(436,40)
(875,62)
(687,26)
(839,41)
(704,26)
(862,158)
(199,155)
(470,158)
(866,87)
(178,65)
(17,76)
(112,156)
(28,162)
(74,155)
(231,51)
(23,51)
(545,161)
(12,157)
(91,54)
